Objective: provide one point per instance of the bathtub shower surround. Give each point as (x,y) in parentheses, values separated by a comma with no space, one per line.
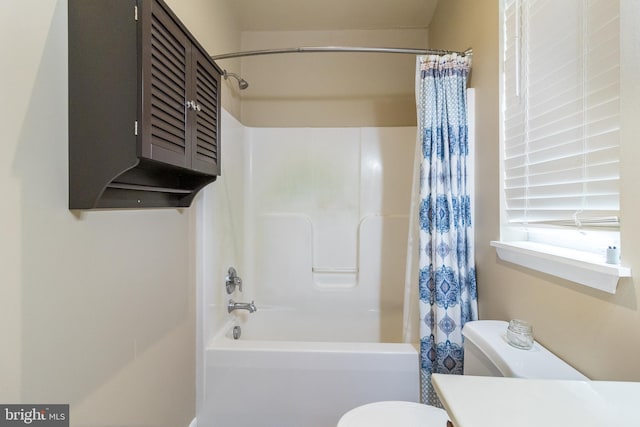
(324,223)
(327,216)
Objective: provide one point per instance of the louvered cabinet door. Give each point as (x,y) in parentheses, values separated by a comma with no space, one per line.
(205,128)
(166,65)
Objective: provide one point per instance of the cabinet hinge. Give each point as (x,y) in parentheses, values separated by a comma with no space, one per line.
(135,128)
(135,12)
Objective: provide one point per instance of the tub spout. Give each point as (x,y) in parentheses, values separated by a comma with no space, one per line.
(249,306)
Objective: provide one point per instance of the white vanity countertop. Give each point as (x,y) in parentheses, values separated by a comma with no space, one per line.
(514,402)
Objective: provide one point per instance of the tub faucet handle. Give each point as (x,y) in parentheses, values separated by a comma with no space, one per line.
(232,281)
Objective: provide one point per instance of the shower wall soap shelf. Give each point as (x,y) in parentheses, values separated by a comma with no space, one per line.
(144,107)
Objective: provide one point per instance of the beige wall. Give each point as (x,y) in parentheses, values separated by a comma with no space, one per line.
(329,89)
(96,308)
(594,331)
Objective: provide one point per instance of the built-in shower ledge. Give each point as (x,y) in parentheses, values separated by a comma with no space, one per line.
(585,268)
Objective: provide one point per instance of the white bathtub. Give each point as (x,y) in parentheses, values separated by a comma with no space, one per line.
(291,369)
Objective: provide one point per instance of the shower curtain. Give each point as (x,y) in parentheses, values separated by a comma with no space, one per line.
(441,279)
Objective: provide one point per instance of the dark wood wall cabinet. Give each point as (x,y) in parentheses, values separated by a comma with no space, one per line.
(144,107)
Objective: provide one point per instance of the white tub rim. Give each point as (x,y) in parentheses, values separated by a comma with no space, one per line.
(224,341)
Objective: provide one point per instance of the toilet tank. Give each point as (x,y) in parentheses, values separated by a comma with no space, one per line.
(488,353)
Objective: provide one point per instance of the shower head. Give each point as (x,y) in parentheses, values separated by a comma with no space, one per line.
(242,83)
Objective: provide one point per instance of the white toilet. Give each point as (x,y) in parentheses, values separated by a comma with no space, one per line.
(486,353)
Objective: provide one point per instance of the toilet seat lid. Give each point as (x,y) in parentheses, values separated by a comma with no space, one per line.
(394,413)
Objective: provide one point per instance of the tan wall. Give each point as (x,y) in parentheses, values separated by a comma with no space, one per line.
(594,331)
(97,308)
(329,89)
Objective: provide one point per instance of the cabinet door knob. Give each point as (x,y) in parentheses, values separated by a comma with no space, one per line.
(190,105)
(198,108)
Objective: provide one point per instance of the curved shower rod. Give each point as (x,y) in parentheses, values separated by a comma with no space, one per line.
(340,49)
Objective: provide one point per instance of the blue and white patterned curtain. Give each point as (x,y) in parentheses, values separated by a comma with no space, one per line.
(447,279)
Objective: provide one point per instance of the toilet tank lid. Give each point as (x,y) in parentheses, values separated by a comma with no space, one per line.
(490,336)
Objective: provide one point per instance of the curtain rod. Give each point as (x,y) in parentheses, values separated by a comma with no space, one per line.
(340,49)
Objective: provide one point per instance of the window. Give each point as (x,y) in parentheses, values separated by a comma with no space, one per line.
(560,133)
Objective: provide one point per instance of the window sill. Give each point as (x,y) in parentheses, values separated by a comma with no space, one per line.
(581,267)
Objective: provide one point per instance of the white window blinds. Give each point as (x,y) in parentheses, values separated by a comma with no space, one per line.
(561,111)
